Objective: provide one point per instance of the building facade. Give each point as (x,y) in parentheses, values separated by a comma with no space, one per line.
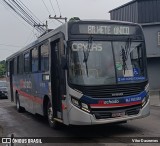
(146,13)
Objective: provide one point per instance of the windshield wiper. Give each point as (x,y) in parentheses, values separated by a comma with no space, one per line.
(86,52)
(125,53)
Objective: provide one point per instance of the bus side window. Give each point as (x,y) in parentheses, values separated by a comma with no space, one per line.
(44,57)
(15,66)
(62,48)
(35,60)
(20,64)
(27,62)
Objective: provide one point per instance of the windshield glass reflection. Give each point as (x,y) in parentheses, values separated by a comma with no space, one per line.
(91,63)
(106,62)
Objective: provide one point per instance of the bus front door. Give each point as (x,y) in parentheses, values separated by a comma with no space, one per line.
(56,84)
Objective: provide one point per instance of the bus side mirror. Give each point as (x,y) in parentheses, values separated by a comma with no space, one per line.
(64,62)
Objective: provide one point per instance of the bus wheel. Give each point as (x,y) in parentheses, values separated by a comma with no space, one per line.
(18,107)
(52,123)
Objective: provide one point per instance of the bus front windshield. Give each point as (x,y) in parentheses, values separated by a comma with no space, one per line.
(105,62)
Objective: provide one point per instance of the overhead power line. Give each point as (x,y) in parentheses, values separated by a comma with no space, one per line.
(46,7)
(16,5)
(10,6)
(27,14)
(22,11)
(52,7)
(59,8)
(30,12)
(4,4)
(44,25)
(7,45)
(18,18)
(58,18)
(8,50)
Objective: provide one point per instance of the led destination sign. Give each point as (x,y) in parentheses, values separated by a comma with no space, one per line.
(105,29)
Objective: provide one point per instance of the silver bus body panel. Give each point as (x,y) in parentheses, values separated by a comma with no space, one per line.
(79,117)
(76,116)
(67,102)
(74,93)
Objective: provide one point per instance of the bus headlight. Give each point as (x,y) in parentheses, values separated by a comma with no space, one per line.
(75,102)
(79,104)
(85,107)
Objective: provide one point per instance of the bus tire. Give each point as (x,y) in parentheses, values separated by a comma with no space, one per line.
(52,123)
(18,107)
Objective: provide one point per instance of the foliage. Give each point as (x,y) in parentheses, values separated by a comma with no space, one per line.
(74,19)
(2,68)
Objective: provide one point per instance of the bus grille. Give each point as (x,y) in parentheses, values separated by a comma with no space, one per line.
(111,90)
(107,113)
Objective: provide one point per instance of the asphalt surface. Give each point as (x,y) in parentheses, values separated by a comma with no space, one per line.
(28,125)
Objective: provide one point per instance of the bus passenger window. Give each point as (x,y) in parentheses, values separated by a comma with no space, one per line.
(35,60)
(15,66)
(44,57)
(26,62)
(20,64)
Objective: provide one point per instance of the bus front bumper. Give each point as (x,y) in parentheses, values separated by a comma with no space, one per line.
(79,117)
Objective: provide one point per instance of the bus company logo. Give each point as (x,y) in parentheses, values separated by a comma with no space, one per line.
(114,101)
(25,84)
(111,101)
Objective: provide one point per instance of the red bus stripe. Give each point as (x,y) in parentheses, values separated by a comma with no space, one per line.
(30,97)
(115,105)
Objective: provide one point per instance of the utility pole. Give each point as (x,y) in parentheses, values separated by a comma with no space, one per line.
(43,25)
(58,18)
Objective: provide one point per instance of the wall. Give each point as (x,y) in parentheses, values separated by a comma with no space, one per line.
(128,12)
(153,54)
(151,37)
(154,73)
(139,11)
(148,11)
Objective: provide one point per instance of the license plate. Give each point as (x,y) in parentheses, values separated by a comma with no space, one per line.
(118,114)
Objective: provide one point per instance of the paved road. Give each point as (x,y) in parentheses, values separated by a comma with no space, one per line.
(28,125)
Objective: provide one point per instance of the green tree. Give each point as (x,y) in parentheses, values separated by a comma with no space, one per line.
(74,19)
(2,68)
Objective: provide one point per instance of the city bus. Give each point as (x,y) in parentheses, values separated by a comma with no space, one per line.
(85,72)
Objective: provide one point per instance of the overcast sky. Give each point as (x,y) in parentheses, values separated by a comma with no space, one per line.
(16,33)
